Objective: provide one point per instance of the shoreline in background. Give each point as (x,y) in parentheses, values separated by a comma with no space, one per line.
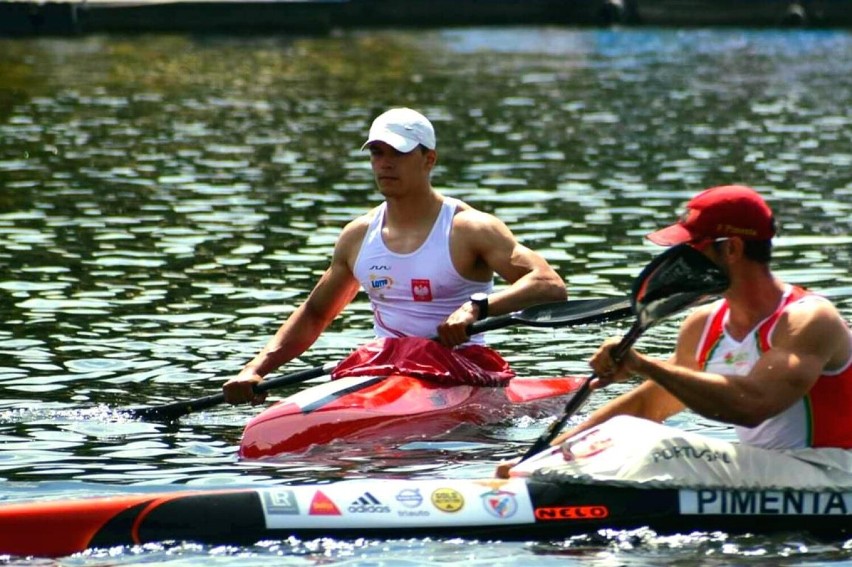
(31,18)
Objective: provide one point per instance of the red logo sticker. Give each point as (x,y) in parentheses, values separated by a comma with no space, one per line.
(321,505)
(421,290)
(572,513)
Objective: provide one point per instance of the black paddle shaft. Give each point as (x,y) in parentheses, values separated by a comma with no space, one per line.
(579,398)
(556,314)
(175,410)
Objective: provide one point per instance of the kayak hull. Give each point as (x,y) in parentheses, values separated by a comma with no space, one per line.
(513,509)
(397,407)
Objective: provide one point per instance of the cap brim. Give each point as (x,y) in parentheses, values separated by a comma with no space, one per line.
(671,235)
(397,142)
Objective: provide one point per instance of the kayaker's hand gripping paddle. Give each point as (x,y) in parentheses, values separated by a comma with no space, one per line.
(677,279)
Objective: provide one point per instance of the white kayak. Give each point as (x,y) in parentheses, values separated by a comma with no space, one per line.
(549,497)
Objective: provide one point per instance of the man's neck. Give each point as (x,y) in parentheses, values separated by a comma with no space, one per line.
(753,296)
(413,210)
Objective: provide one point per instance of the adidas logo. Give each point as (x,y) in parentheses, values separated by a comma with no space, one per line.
(368,504)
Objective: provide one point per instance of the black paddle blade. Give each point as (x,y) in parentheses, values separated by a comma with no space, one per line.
(576,312)
(559,314)
(675,280)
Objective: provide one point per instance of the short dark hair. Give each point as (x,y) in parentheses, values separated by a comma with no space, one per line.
(758,250)
(754,250)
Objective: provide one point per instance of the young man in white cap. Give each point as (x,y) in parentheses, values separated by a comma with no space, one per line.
(769,358)
(426,261)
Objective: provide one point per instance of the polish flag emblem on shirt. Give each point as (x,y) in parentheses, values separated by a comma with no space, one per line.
(421,290)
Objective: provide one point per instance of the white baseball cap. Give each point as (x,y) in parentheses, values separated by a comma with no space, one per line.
(403,129)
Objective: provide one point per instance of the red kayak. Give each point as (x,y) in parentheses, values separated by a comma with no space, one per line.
(398,407)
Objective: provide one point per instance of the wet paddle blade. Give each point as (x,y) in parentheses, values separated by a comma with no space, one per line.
(578,312)
(560,314)
(677,279)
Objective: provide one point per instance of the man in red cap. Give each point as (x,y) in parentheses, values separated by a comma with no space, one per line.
(772,359)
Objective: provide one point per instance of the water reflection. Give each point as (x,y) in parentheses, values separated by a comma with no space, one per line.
(166,202)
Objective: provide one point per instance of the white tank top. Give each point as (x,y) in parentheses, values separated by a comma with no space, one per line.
(788,429)
(411,294)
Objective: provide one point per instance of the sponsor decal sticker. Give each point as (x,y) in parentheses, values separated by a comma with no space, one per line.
(493,483)
(321,505)
(421,290)
(447,500)
(765,502)
(559,513)
(368,504)
(280,502)
(500,503)
(380,283)
(587,445)
(690,452)
(411,499)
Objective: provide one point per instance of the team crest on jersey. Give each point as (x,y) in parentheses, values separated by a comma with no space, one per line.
(736,359)
(421,290)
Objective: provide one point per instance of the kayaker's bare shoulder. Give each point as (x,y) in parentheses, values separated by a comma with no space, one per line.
(690,334)
(697,318)
(814,325)
(350,239)
(482,244)
(481,229)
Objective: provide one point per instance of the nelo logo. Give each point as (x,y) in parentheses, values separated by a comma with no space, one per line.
(571,513)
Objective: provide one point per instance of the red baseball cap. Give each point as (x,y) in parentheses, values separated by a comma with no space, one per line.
(718,212)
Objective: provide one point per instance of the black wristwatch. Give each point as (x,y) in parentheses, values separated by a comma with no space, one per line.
(481,301)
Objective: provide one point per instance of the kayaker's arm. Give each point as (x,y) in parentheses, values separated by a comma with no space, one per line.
(807,340)
(333,292)
(649,400)
(483,245)
(531,279)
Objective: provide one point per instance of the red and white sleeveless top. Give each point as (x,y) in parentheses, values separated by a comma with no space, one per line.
(823,418)
(411,294)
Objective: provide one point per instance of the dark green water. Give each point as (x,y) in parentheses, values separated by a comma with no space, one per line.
(165,201)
